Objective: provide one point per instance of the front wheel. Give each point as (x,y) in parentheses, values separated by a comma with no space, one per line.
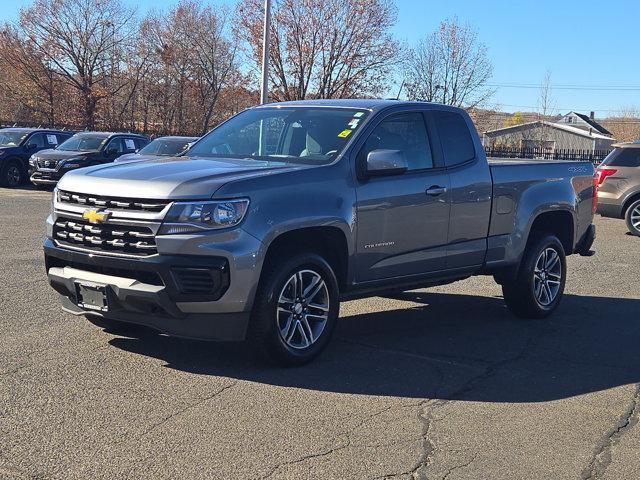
(539,286)
(295,310)
(633,218)
(11,174)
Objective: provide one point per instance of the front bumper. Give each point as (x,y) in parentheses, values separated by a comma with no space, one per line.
(49,177)
(149,291)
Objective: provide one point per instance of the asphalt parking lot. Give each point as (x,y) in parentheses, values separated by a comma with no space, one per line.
(438,383)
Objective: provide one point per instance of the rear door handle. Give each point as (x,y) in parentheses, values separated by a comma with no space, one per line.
(435,190)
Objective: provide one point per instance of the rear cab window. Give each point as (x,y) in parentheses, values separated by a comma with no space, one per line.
(455,138)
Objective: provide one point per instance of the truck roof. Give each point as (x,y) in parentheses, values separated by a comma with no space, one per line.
(365,103)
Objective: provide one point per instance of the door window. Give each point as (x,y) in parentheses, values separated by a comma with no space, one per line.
(115,144)
(406,132)
(37,139)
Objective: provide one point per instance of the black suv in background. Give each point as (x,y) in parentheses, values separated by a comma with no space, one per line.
(82,150)
(18,144)
(162,147)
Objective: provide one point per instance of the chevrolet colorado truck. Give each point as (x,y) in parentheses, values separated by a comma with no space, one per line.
(285,209)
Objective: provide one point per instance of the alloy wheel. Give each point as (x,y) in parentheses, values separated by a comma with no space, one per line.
(635,218)
(547,277)
(303,309)
(14,176)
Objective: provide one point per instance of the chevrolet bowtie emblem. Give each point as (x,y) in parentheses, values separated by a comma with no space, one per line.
(95,217)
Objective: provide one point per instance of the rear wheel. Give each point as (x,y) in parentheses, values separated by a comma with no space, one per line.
(296,309)
(539,285)
(633,218)
(11,174)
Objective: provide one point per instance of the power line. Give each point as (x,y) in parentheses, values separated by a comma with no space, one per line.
(573,109)
(576,87)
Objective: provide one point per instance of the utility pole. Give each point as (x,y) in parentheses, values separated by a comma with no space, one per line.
(264,94)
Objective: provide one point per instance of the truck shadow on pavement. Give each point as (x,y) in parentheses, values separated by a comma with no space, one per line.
(443,346)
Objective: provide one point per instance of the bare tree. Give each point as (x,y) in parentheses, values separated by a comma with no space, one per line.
(32,80)
(84,40)
(546,108)
(194,61)
(450,66)
(323,48)
(625,125)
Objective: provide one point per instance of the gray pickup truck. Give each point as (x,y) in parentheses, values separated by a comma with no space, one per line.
(285,209)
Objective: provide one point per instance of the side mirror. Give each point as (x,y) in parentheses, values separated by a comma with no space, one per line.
(386,162)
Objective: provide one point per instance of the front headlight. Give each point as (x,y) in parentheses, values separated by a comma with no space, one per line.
(188,217)
(32,161)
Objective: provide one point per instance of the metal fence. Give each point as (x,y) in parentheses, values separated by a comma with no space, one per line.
(594,156)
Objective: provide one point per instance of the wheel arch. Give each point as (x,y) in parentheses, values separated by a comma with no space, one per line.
(635,196)
(556,222)
(329,241)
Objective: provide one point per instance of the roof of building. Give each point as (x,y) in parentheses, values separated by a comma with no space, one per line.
(559,126)
(596,126)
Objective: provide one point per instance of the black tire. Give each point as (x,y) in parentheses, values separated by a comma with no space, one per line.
(267,320)
(632,217)
(12,173)
(529,294)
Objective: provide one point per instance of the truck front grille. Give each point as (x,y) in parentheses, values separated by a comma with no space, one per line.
(117,203)
(105,238)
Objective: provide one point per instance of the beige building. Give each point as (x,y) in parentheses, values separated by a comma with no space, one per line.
(572,131)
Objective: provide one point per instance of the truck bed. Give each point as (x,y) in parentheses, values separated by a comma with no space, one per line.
(497,161)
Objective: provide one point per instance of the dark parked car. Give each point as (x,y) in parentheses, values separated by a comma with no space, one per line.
(82,150)
(18,144)
(161,147)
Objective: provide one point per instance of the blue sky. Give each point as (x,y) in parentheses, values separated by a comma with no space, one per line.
(583,44)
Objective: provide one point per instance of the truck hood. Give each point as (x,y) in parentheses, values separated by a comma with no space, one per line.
(167,177)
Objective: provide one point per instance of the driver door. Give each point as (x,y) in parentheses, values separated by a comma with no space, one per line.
(402,220)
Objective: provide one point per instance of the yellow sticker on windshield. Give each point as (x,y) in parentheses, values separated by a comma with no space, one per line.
(344,133)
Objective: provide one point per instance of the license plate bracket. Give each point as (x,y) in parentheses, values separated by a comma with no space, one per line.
(92,296)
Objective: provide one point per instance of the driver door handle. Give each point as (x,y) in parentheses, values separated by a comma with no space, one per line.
(436,190)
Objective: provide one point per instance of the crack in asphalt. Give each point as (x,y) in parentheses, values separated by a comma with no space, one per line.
(184,410)
(346,436)
(601,458)
(427,420)
(458,467)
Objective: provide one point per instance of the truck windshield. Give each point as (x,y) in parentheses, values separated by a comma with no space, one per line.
(310,135)
(83,142)
(165,147)
(11,139)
